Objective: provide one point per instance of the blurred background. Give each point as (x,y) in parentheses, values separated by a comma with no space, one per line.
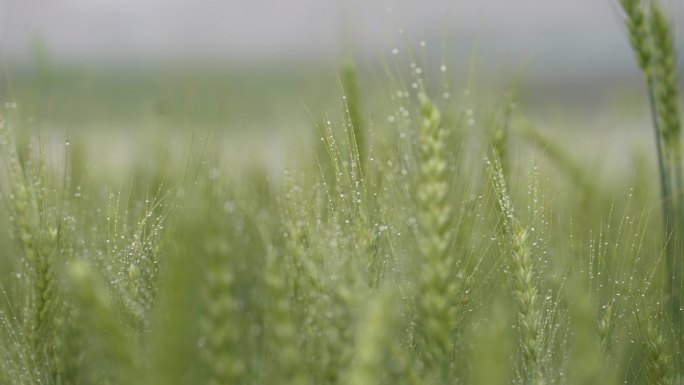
(271,67)
(129,32)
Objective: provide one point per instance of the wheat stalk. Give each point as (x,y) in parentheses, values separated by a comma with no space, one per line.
(651,37)
(523,278)
(38,233)
(439,281)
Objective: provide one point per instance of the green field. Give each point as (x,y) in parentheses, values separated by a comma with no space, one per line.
(395,221)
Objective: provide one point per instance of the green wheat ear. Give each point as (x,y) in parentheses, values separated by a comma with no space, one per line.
(523,279)
(652,39)
(36,226)
(665,78)
(637,26)
(439,279)
(669,122)
(657,357)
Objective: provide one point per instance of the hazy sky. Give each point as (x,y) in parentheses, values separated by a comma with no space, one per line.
(246,30)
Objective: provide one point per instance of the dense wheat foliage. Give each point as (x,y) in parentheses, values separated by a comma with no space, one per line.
(452,242)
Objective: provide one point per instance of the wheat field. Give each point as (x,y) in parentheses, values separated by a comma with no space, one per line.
(445,239)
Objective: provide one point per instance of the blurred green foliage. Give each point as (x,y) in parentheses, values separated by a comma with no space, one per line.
(153,237)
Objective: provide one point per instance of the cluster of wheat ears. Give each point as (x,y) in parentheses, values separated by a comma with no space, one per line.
(395,253)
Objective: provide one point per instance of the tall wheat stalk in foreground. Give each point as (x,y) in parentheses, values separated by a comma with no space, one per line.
(37,228)
(523,279)
(439,280)
(651,37)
